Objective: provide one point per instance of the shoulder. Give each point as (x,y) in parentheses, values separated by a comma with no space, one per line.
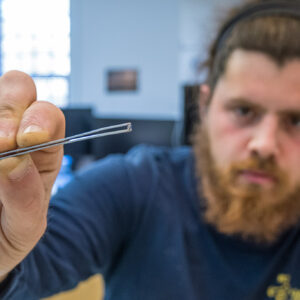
(156,160)
(141,168)
(141,157)
(158,155)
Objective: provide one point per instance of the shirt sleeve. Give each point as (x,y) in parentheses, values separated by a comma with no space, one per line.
(89,221)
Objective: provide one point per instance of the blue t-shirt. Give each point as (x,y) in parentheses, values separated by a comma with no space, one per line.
(137,220)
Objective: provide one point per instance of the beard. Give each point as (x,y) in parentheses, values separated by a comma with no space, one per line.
(248,210)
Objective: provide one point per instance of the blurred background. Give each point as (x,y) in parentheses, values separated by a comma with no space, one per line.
(106,62)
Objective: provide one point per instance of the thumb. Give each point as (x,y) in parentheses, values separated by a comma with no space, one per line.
(24,204)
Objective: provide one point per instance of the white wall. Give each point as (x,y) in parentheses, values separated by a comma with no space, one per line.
(126,34)
(163,39)
(199,21)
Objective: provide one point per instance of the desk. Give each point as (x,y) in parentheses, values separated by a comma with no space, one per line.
(91,289)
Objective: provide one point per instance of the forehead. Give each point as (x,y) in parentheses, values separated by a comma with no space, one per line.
(257,77)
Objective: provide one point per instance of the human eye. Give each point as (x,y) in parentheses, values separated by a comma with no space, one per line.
(244,114)
(293,121)
(242,111)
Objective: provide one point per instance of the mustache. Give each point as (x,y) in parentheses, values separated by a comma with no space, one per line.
(258,164)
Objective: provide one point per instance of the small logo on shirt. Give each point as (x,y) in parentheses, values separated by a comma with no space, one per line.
(284,291)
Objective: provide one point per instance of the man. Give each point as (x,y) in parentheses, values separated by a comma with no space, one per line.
(219,222)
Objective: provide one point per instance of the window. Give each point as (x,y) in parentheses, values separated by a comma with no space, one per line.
(36,39)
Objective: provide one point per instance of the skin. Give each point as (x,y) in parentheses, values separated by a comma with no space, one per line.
(255,110)
(25,181)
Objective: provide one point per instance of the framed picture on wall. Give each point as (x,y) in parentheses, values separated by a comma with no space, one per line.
(122,80)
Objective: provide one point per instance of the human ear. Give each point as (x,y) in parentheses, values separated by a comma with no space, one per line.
(204,97)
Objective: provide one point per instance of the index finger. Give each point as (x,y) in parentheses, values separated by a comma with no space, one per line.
(17,93)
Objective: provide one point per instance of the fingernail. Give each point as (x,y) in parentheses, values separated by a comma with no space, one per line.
(32,135)
(32,128)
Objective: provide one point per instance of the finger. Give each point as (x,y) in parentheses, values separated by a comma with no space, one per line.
(41,122)
(17,92)
(23,216)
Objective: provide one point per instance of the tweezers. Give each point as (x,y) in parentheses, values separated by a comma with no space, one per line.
(100,132)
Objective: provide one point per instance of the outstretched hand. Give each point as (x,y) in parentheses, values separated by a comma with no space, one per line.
(25,181)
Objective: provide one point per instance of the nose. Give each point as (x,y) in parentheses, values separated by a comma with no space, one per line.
(265,139)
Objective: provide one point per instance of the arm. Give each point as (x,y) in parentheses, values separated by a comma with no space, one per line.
(90,221)
(25,181)
(84,235)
